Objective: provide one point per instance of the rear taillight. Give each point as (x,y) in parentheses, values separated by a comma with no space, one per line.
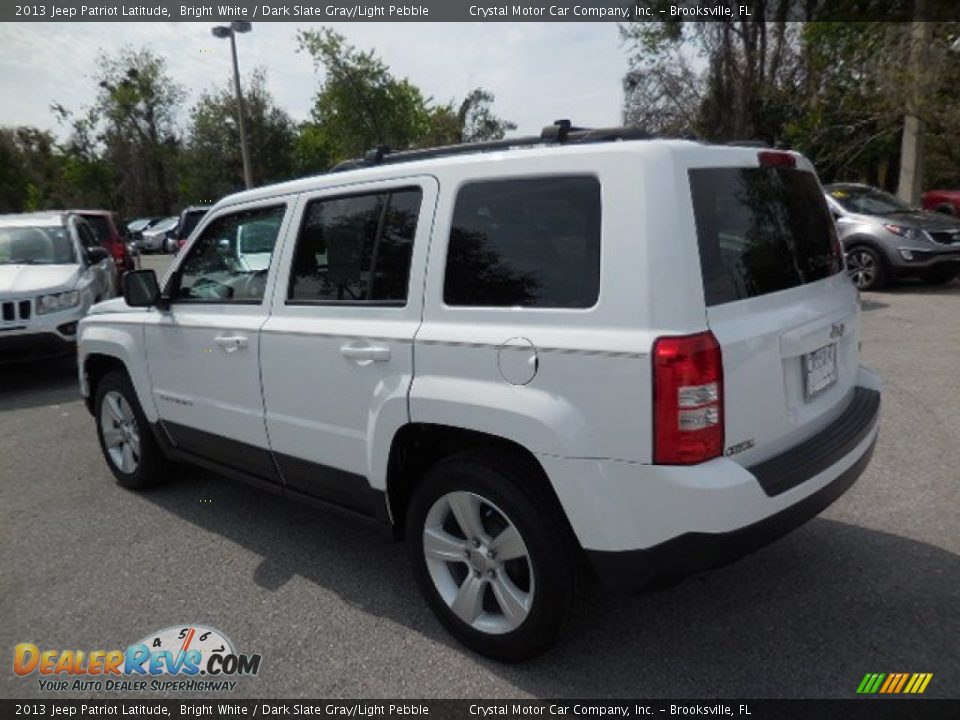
(687,399)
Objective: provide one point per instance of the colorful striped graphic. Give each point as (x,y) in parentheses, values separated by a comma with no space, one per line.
(894,683)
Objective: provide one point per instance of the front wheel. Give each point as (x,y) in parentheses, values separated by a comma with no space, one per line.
(128,445)
(497,567)
(866,268)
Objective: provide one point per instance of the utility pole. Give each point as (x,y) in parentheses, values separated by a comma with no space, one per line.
(910,186)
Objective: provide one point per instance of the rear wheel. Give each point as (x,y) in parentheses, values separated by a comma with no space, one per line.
(496,566)
(866,268)
(128,445)
(939,276)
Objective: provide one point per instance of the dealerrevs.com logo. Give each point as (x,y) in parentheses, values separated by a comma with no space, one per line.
(187,658)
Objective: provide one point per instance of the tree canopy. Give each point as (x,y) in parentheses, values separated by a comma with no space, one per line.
(135,151)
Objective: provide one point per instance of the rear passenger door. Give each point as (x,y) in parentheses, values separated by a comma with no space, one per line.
(337,350)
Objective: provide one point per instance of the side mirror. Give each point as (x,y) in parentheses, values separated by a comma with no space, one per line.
(97,255)
(140,288)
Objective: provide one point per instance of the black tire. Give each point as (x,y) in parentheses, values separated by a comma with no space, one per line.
(555,558)
(152,467)
(939,277)
(867,268)
(947,210)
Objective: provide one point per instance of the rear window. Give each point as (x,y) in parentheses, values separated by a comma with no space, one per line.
(761,230)
(101,228)
(189,222)
(532,242)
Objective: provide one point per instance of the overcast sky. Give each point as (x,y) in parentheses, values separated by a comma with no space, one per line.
(538,72)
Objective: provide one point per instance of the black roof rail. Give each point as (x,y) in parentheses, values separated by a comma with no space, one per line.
(562,132)
(748,143)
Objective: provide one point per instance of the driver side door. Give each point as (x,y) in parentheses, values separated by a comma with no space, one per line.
(203,352)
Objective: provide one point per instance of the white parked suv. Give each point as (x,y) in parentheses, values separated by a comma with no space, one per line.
(52,269)
(538,360)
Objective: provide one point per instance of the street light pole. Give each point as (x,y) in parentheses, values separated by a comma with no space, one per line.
(231,31)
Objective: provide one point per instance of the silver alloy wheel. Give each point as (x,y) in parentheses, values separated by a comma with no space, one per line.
(478,562)
(862,267)
(121,436)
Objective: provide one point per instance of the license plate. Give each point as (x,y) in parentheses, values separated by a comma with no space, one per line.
(820,370)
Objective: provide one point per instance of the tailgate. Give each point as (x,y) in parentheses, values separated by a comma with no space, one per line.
(782,309)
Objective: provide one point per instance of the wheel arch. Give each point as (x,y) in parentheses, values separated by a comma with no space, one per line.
(855,241)
(946,208)
(416,447)
(103,349)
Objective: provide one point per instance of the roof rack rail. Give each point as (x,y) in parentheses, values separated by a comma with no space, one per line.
(562,132)
(748,143)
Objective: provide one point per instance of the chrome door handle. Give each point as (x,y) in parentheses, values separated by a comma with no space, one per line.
(366,352)
(231,343)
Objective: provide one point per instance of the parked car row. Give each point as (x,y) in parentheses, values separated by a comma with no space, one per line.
(166,234)
(57,264)
(884,238)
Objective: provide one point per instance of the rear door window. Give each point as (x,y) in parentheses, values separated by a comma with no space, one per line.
(760,231)
(531,242)
(356,249)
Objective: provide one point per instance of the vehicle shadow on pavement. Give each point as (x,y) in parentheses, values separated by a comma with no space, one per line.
(39,383)
(806,617)
(867,305)
(909,286)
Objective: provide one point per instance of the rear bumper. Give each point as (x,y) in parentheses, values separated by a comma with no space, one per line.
(637,522)
(695,552)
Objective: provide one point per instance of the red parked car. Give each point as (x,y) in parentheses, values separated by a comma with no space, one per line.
(945,201)
(107,226)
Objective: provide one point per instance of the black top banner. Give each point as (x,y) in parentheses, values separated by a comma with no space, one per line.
(478,11)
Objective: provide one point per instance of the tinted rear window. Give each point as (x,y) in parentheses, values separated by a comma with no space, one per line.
(760,230)
(189,222)
(532,242)
(101,228)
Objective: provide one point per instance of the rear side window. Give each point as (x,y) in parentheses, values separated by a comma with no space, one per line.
(189,221)
(101,228)
(356,249)
(532,243)
(761,230)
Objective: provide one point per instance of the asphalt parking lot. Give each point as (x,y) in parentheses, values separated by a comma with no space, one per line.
(873,585)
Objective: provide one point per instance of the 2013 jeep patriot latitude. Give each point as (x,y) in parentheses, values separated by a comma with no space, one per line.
(536,363)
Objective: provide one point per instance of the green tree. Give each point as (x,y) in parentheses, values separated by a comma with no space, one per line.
(211,164)
(361,104)
(135,124)
(723,80)
(31,170)
(857,88)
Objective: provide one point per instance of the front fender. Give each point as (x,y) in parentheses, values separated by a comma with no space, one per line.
(124,341)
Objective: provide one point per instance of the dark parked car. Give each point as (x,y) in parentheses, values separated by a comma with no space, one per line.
(942,201)
(106,226)
(883,237)
(189,219)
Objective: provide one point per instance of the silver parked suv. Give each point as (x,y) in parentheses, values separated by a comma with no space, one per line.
(883,237)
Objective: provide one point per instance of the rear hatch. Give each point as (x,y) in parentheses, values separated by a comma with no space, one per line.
(777,300)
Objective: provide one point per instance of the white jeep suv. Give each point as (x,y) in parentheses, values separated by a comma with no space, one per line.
(538,360)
